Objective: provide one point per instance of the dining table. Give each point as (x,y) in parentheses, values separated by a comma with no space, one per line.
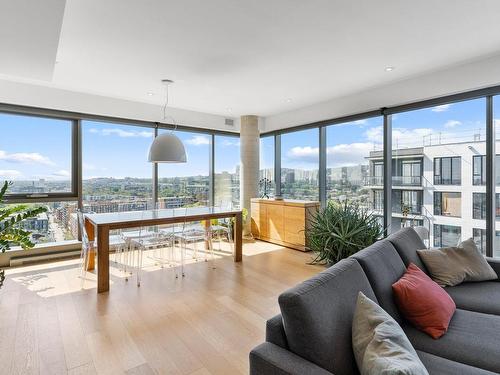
(98,226)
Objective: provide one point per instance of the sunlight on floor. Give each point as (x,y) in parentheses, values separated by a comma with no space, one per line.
(62,277)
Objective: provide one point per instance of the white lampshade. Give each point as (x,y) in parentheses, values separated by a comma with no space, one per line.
(167,148)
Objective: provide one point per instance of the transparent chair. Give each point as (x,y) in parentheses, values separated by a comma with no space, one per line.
(193,233)
(148,239)
(116,241)
(87,247)
(222,228)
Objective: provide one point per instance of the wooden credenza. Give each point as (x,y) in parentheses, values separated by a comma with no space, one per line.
(282,222)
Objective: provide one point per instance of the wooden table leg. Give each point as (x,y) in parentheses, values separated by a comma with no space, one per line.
(102,258)
(89,228)
(238,237)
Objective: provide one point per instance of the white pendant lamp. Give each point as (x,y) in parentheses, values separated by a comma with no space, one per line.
(167,147)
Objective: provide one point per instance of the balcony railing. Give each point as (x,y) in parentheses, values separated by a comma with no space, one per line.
(396,181)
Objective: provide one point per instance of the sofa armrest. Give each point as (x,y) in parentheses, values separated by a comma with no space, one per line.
(270,359)
(495,264)
(275,331)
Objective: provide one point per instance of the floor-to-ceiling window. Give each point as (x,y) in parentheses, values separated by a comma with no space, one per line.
(116,173)
(186,184)
(267,182)
(227,170)
(436,154)
(36,156)
(350,171)
(300,164)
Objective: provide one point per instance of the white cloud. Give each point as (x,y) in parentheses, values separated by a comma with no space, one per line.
(360,122)
(375,134)
(198,140)
(10,174)
(226,142)
(61,173)
(441,108)
(122,133)
(307,154)
(25,157)
(344,155)
(338,155)
(452,123)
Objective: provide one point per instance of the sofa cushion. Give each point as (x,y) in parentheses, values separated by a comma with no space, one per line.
(407,242)
(423,302)
(383,267)
(275,332)
(441,366)
(450,266)
(379,343)
(481,297)
(472,338)
(317,316)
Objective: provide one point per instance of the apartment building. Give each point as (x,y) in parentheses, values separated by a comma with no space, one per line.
(440,186)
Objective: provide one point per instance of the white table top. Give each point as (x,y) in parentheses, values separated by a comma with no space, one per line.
(137,216)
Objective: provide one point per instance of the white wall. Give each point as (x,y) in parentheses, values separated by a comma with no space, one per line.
(65,100)
(460,78)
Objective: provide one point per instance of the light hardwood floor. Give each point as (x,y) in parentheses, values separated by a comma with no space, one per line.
(203,324)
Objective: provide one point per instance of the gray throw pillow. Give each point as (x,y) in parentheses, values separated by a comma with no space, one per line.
(450,266)
(380,346)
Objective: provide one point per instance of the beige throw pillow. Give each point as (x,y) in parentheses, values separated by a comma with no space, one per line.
(380,345)
(450,266)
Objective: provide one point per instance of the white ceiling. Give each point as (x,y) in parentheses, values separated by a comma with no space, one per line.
(235,57)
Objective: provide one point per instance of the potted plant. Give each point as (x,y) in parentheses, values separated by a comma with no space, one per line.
(10,230)
(340,230)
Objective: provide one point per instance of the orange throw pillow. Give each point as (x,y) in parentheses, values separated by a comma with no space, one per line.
(423,302)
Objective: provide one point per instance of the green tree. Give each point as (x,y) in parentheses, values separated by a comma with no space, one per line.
(11,232)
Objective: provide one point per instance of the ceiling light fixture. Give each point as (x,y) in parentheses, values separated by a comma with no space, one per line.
(167,147)
(389,68)
(150,94)
(289,100)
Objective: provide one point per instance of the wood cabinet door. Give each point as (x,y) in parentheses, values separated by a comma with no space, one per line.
(275,221)
(294,225)
(256,220)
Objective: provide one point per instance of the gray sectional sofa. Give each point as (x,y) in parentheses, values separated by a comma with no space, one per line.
(312,335)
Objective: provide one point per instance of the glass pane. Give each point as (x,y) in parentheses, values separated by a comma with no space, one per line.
(227,170)
(350,147)
(57,225)
(267,183)
(300,165)
(433,151)
(186,184)
(116,172)
(28,157)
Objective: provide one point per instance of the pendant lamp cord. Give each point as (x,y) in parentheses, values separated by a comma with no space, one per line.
(165,116)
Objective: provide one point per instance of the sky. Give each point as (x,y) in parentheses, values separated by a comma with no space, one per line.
(350,143)
(34,147)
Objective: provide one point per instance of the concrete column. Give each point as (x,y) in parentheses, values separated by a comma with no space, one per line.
(249,170)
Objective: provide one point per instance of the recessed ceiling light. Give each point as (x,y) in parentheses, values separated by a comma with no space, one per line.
(150,93)
(289,100)
(229,109)
(389,68)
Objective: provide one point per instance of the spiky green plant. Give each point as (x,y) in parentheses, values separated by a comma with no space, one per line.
(10,230)
(340,230)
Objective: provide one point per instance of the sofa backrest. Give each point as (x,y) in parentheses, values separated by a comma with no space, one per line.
(317,316)
(383,267)
(407,242)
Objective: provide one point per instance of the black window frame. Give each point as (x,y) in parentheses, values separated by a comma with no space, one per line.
(73,194)
(438,202)
(439,179)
